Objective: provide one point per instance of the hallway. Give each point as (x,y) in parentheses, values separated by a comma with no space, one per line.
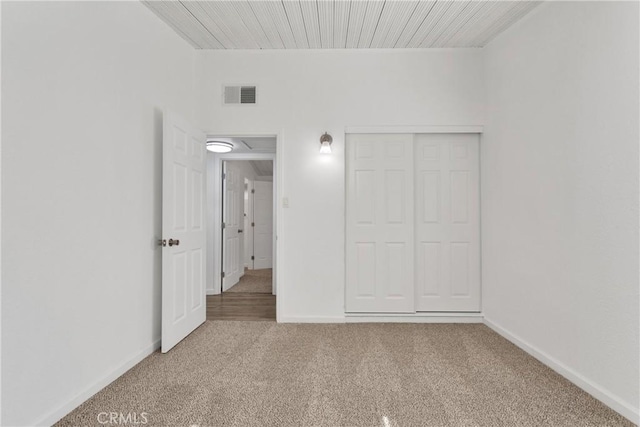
(250,299)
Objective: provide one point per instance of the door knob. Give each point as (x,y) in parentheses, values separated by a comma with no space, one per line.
(174,242)
(240,231)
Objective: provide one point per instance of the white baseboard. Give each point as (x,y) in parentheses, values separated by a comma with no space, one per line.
(415,318)
(311,319)
(388,318)
(57,414)
(603,395)
(212,292)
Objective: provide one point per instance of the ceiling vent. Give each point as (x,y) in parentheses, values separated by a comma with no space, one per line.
(239,94)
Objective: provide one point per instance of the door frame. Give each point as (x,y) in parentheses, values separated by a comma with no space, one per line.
(214,214)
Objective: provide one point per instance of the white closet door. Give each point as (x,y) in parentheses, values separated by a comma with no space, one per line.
(447,222)
(380,272)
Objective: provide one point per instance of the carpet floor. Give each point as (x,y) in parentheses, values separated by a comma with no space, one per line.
(254,281)
(267,374)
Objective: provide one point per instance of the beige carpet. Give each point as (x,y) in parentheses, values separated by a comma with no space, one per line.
(265,374)
(254,281)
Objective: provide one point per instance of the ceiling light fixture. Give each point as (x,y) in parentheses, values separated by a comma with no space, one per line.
(219,146)
(325,143)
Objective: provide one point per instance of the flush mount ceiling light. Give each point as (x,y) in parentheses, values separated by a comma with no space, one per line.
(217,146)
(325,143)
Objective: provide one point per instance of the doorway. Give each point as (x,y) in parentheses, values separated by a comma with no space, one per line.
(241,189)
(247,226)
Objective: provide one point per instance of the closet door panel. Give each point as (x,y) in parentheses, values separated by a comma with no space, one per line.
(447,227)
(379,242)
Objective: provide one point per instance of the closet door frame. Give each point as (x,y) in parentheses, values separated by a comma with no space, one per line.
(418,129)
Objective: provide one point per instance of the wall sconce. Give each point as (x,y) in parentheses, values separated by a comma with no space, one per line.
(325,143)
(217,146)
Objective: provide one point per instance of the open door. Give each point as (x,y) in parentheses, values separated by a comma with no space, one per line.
(183,230)
(248,220)
(232,195)
(263,230)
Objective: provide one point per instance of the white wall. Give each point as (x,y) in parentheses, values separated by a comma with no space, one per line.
(301,94)
(560,192)
(83,87)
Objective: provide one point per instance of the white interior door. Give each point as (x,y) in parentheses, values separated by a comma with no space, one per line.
(263,220)
(380,224)
(183,230)
(232,190)
(447,222)
(248,229)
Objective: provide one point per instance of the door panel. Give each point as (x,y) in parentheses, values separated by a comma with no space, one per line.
(233,190)
(248,228)
(263,219)
(447,222)
(183,291)
(380,224)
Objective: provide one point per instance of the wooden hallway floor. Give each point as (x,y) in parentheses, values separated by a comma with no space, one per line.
(241,306)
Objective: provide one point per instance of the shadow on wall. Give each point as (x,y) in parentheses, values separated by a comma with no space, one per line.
(157,221)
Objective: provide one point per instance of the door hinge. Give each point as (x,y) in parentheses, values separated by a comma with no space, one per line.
(224,225)
(253,224)
(252,258)
(253,190)
(222,274)
(224,175)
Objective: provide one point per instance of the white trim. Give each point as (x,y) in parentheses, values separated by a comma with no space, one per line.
(415,318)
(311,319)
(57,414)
(346,51)
(414,129)
(388,318)
(0,226)
(605,396)
(278,186)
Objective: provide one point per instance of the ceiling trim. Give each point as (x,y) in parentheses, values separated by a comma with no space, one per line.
(415,129)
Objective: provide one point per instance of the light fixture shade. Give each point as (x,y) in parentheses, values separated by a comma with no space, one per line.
(325,148)
(325,143)
(219,146)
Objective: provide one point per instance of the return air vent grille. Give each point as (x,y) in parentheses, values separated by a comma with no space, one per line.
(239,94)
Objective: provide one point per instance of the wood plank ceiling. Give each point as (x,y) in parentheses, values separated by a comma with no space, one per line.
(338,24)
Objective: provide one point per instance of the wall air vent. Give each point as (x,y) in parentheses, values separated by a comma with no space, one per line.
(239,94)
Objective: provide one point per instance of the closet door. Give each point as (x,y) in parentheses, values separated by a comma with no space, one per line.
(380,272)
(447,229)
